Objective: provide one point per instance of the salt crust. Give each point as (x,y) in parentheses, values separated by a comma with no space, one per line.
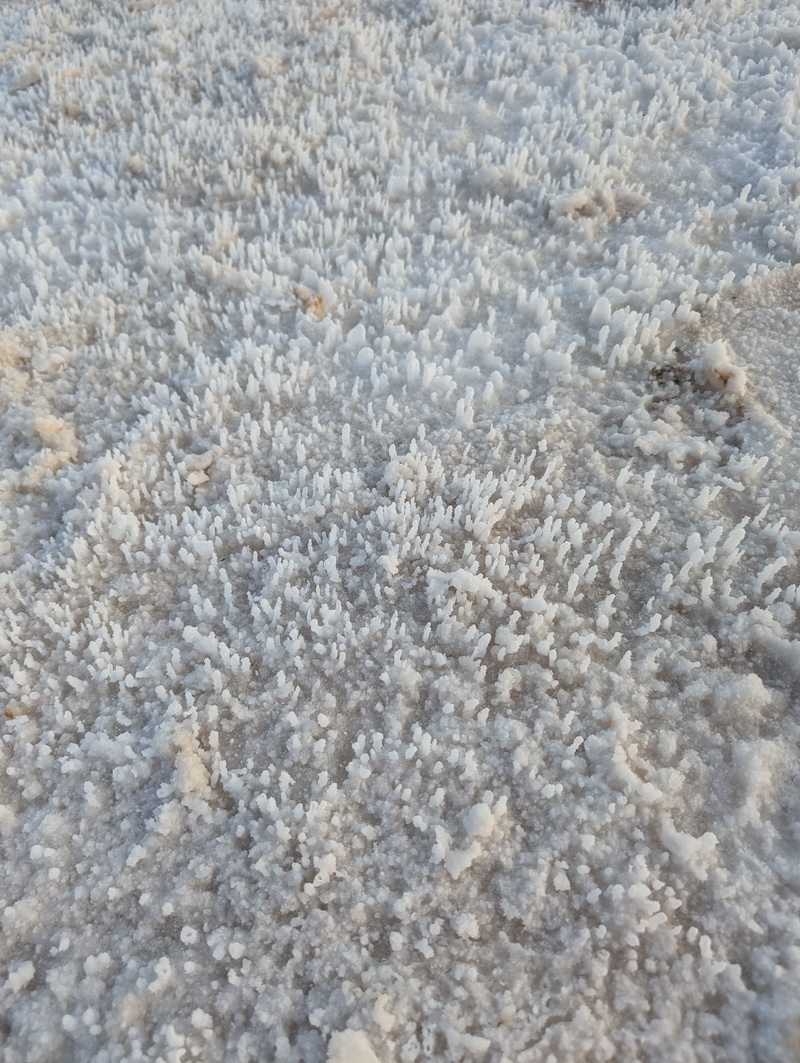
(399,556)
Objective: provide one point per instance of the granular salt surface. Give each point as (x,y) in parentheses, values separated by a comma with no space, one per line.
(399,531)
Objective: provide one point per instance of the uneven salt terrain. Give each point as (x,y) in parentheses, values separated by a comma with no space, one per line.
(400,523)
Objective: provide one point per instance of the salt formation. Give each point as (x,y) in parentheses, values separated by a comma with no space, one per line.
(398,580)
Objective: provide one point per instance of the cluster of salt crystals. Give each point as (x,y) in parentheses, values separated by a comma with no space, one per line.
(398,605)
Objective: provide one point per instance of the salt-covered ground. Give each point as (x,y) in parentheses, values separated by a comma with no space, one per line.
(400,443)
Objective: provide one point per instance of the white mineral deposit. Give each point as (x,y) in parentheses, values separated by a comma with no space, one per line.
(400,538)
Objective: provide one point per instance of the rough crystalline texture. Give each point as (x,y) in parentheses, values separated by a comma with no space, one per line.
(399,558)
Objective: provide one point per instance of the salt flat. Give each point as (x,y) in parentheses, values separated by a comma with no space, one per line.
(399,531)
